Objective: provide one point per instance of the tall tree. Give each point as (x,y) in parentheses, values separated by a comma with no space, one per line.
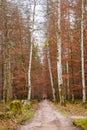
(50,71)
(6,55)
(48,54)
(31,49)
(82,52)
(59,62)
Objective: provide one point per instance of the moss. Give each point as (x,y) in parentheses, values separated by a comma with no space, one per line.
(81,122)
(25,108)
(16,106)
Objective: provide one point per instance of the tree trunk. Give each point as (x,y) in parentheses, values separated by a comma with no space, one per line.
(7,78)
(82,53)
(31,49)
(29,73)
(68,89)
(50,72)
(59,64)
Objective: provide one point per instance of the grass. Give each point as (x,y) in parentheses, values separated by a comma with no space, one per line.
(9,119)
(81,122)
(75,109)
(25,116)
(11,123)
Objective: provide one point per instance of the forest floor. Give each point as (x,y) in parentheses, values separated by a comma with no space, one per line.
(74,110)
(48,117)
(10,118)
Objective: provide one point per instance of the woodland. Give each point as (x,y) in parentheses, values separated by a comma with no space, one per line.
(51,64)
(43,50)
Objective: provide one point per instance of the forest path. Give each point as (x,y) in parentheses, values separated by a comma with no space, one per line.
(48,118)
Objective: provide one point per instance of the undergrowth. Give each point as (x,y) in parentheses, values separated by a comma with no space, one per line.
(15,113)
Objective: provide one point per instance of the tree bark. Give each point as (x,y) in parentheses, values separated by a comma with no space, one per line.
(82,54)
(59,63)
(50,72)
(29,73)
(31,49)
(6,55)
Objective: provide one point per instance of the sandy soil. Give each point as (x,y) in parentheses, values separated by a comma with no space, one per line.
(48,118)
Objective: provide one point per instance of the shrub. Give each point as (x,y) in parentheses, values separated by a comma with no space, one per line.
(16,106)
(9,115)
(26,106)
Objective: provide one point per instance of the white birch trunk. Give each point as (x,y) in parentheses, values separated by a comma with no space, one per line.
(82,54)
(30,61)
(50,72)
(29,73)
(59,64)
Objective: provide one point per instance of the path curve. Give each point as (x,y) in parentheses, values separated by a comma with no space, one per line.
(48,118)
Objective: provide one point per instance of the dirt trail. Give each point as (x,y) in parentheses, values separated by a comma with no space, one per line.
(48,118)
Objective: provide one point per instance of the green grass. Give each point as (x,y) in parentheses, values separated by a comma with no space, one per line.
(25,116)
(81,122)
(10,117)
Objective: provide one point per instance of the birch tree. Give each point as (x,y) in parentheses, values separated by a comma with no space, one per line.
(50,71)
(82,53)
(59,63)
(31,49)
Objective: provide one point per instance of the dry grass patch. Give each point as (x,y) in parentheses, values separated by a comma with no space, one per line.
(75,109)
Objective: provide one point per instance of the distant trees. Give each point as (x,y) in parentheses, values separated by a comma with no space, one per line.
(15,45)
(6,45)
(72,52)
(59,68)
(19,55)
